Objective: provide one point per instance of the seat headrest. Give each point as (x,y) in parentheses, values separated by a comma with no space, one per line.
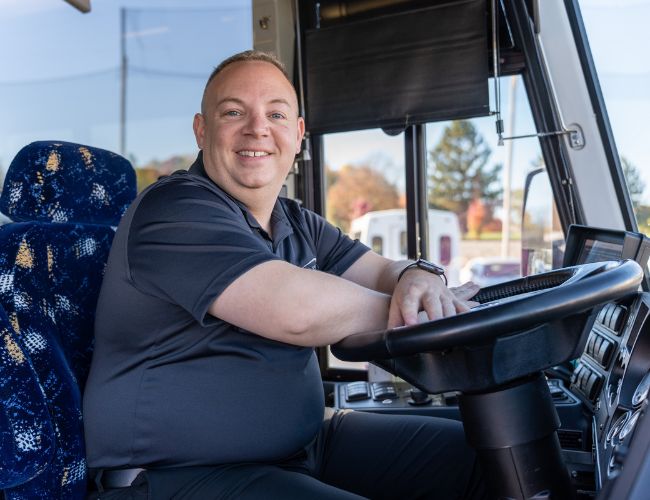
(55,181)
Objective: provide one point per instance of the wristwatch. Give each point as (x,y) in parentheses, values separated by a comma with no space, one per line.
(427,266)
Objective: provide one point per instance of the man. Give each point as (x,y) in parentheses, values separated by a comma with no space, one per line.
(204,382)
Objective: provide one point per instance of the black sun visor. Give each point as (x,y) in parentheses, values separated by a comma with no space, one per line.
(401,69)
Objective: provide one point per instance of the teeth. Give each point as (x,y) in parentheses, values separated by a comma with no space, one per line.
(253,153)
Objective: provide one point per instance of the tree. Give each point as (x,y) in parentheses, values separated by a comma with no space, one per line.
(643,218)
(356,190)
(146,176)
(476,217)
(635,183)
(461,173)
(152,171)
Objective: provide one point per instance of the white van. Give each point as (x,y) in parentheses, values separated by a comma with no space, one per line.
(385,232)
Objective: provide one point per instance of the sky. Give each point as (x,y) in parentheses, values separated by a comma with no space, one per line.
(60,79)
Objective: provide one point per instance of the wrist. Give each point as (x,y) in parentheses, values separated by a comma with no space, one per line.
(424,265)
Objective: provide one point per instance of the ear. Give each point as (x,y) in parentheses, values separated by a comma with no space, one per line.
(199,129)
(300,134)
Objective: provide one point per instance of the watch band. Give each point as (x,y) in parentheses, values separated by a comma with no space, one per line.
(427,266)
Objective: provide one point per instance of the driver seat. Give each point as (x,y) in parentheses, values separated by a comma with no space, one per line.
(64,200)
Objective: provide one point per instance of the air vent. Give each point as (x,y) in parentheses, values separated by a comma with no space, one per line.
(570,440)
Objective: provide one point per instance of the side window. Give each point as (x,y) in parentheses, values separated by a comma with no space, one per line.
(542,239)
(63,76)
(474,217)
(377,245)
(444,246)
(364,185)
(403,243)
(470,205)
(364,176)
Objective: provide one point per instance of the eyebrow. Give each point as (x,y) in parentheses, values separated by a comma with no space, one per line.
(236,100)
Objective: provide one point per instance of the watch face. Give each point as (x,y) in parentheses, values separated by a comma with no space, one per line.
(429,266)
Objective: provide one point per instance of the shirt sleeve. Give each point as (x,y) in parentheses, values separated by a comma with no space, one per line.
(188,242)
(335,251)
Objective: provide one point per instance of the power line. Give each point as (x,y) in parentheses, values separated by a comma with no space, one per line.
(64,78)
(147,10)
(114,70)
(168,74)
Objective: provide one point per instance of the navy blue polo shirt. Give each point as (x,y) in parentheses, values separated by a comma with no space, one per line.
(171,385)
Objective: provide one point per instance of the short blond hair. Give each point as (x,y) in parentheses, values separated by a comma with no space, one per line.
(246,56)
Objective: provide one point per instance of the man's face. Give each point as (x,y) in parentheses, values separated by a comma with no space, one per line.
(250,131)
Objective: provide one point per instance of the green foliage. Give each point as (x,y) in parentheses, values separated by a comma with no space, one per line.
(642,213)
(635,184)
(460,171)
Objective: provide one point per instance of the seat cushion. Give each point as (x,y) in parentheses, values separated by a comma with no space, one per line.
(27,438)
(50,277)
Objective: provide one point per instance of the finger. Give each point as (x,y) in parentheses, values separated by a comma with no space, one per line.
(432,306)
(409,309)
(462,306)
(466,285)
(448,306)
(465,291)
(423,317)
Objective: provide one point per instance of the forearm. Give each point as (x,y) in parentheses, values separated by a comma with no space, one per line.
(307,307)
(376,272)
(333,308)
(387,279)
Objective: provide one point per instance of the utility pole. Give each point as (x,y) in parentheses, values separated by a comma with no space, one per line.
(507,172)
(123,69)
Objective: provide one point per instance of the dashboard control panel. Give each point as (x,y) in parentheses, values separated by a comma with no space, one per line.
(604,432)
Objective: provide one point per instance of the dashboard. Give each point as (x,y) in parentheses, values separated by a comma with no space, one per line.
(601,398)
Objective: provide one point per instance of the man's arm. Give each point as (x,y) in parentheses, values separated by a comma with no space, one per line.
(299,306)
(416,291)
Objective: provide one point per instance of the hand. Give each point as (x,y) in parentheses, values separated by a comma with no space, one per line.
(465,292)
(422,291)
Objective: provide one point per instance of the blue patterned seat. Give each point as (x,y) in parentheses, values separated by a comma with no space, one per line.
(65,200)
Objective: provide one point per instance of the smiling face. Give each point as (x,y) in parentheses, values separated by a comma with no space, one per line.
(249,131)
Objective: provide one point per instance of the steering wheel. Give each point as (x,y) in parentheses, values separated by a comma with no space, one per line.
(519,328)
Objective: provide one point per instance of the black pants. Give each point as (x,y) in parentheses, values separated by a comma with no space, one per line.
(356,455)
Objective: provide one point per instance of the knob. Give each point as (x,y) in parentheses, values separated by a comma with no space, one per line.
(418,397)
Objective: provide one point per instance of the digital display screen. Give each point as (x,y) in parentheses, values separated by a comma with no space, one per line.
(599,251)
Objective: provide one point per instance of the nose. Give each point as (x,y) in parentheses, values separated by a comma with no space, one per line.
(257,124)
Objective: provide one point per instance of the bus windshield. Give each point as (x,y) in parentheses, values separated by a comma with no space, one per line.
(619,40)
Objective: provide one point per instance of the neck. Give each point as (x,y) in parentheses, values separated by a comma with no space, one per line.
(261,212)
(259,202)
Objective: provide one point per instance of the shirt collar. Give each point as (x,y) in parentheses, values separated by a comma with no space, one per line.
(279,221)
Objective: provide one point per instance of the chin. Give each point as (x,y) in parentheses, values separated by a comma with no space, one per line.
(258,183)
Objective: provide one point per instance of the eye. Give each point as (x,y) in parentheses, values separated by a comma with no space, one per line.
(232,112)
(277,116)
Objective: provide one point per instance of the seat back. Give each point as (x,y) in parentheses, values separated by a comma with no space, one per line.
(65,200)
